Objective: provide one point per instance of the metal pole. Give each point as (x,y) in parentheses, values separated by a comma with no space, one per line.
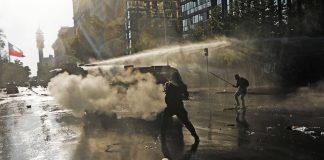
(207,68)
(208,97)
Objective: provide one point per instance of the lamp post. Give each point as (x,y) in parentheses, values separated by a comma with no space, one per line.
(208,97)
(207,69)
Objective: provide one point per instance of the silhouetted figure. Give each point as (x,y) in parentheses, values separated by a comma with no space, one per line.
(175,92)
(241,84)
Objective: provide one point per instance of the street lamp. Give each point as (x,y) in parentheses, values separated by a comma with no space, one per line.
(206,55)
(208,97)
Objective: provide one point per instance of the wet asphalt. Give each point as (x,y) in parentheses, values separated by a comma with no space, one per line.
(271,127)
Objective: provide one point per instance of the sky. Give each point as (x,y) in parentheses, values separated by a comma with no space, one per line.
(20,19)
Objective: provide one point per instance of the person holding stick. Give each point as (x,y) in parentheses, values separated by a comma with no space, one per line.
(241,84)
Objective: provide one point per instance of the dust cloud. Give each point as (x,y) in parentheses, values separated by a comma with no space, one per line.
(127,94)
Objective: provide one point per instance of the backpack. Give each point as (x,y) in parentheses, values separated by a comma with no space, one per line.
(245,82)
(176,92)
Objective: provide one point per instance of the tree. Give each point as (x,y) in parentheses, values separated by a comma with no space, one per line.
(2,44)
(216,21)
(199,32)
(18,62)
(13,72)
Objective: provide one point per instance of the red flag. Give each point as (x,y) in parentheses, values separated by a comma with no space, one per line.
(14,51)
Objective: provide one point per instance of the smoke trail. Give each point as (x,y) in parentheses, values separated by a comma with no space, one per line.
(129,94)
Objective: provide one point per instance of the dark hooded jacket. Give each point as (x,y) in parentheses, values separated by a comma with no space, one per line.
(175,93)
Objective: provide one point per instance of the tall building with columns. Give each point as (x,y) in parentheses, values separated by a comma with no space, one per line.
(40,44)
(45,64)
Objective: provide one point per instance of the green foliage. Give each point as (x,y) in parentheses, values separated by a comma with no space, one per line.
(13,72)
(18,62)
(2,44)
(217,21)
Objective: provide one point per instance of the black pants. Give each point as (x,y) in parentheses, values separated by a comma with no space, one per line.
(182,115)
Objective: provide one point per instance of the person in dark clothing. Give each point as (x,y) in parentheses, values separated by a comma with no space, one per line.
(241,84)
(175,92)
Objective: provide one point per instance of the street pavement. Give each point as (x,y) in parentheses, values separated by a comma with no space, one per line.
(271,127)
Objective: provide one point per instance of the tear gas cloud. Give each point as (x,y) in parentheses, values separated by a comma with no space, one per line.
(130,94)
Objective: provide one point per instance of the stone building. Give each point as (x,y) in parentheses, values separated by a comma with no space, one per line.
(98,28)
(62,47)
(45,64)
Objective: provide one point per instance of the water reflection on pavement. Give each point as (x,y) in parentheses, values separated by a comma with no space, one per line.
(48,131)
(33,133)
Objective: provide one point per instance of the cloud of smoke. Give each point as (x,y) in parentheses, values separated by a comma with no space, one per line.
(125,93)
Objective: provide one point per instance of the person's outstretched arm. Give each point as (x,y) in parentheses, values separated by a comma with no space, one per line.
(185,93)
(237,84)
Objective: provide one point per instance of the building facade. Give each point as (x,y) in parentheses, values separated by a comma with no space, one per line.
(95,23)
(199,11)
(194,12)
(62,46)
(45,64)
(150,23)
(40,44)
